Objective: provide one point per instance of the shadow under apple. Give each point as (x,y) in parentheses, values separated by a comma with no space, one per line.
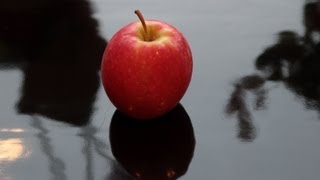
(157,149)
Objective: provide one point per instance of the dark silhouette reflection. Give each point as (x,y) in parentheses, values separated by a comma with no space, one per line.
(157,149)
(56,165)
(311,18)
(237,104)
(293,60)
(57,46)
(289,49)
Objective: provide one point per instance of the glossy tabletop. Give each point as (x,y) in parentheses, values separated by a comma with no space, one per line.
(251,111)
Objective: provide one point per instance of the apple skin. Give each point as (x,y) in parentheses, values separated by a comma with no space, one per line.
(145,79)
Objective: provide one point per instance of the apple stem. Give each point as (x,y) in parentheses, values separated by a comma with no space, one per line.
(139,14)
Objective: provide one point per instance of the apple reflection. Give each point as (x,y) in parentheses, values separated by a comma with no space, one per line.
(57,46)
(157,149)
(293,60)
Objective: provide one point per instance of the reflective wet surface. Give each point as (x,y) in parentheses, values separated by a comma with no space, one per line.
(251,110)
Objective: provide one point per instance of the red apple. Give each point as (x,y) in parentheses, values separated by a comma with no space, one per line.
(146,68)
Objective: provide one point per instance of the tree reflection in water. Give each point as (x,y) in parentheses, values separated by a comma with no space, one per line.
(56,164)
(293,60)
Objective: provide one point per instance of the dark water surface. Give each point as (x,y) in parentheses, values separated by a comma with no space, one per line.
(251,112)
